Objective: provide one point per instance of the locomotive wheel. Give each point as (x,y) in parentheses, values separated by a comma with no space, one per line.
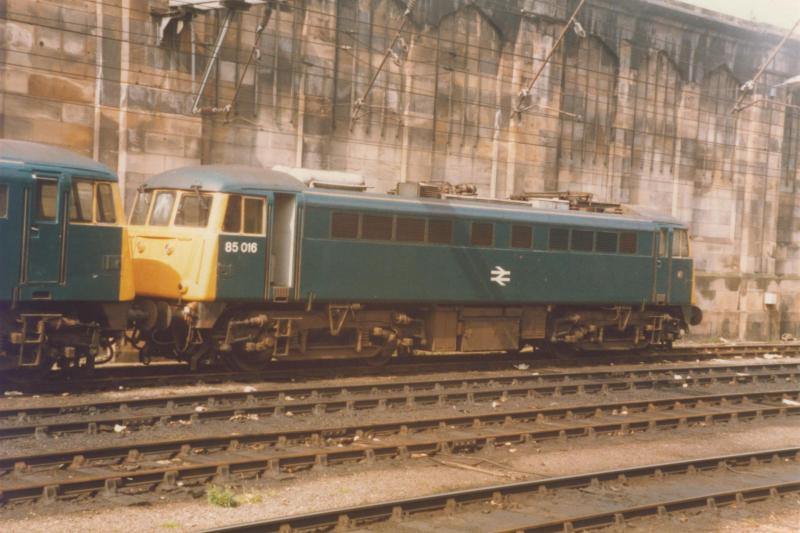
(563,350)
(382,355)
(240,360)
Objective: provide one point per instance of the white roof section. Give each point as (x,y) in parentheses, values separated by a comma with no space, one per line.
(206,5)
(322,178)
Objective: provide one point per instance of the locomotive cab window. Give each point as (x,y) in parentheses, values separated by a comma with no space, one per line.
(344,226)
(46,199)
(559,239)
(662,243)
(482,234)
(162,208)
(627,242)
(521,236)
(105,212)
(253,216)
(680,243)
(244,215)
(233,215)
(92,202)
(193,210)
(141,207)
(3,200)
(82,201)
(410,229)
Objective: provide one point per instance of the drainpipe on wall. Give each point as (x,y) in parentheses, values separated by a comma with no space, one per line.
(98,84)
(122,130)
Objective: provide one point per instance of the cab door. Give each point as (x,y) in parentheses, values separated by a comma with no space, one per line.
(46,231)
(662,265)
(682,268)
(242,264)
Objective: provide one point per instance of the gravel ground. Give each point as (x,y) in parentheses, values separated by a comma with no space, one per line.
(358,484)
(782,516)
(345,486)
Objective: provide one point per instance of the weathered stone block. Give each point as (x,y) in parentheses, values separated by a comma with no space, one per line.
(60,89)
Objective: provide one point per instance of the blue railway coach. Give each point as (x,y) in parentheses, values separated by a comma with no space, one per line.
(282,270)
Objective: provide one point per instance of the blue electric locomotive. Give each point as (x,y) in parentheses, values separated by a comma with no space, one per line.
(65,270)
(253,265)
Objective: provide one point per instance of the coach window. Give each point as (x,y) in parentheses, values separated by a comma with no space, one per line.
(344,226)
(440,231)
(162,208)
(606,242)
(141,207)
(82,201)
(521,236)
(410,229)
(627,242)
(559,239)
(582,240)
(193,210)
(376,227)
(254,216)
(46,199)
(680,243)
(106,212)
(482,234)
(3,200)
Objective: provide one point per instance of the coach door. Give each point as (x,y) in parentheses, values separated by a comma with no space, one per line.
(45,237)
(662,266)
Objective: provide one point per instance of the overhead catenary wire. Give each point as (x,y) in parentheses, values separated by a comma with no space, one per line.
(360,101)
(465,101)
(642,83)
(525,93)
(147,37)
(357,78)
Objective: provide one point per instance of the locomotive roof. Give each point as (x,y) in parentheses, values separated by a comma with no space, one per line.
(226,178)
(255,180)
(39,155)
(469,209)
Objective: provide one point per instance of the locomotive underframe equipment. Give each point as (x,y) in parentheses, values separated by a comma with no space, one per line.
(618,327)
(248,337)
(39,339)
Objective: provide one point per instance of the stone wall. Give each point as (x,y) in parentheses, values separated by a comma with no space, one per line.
(637,111)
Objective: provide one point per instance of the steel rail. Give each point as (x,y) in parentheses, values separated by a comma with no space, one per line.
(378,396)
(120,376)
(275,392)
(498,496)
(166,464)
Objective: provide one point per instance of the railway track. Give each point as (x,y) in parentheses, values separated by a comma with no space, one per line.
(128,376)
(567,503)
(94,417)
(141,468)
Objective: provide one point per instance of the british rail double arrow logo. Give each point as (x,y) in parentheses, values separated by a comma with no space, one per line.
(500,276)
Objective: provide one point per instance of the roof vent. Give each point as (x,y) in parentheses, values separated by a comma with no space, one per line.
(577,201)
(413,189)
